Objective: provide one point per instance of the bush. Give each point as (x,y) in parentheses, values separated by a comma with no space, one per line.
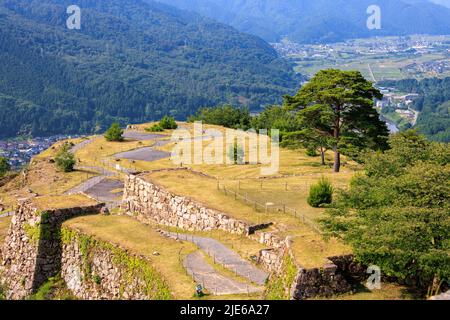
(311,152)
(168,123)
(236,154)
(320,193)
(114,133)
(65,160)
(4,166)
(155,128)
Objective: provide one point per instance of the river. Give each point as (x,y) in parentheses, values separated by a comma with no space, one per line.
(391,125)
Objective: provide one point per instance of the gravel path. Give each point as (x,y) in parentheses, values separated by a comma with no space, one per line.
(224,256)
(213,281)
(103,191)
(81,145)
(140,136)
(143,154)
(7,214)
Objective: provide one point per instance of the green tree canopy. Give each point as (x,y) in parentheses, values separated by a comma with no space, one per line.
(4,166)
(114,133)
(339,105)
(168,123)
(225,115)
(397,214)
(64,159)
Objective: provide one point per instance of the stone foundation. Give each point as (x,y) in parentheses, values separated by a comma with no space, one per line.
(95,270)
(150,203)
(32,251)
(37,248)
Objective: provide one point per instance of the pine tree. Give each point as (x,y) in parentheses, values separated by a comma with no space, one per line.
(339,105)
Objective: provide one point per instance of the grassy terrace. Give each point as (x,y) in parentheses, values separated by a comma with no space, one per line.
(297,170)
(61,202)
(388,291)
(144,240)
(309,247)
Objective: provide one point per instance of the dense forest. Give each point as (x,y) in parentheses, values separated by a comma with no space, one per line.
(321,21)
(132,61)
(433,104)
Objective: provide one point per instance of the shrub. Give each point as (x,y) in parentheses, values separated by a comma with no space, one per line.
(236,154)
(65,160)
(4,166)
(311,152)
(320,193)
(114,133)
(168,123)
(155,128)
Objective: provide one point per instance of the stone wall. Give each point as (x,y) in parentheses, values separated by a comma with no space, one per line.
(150,203)
(324,282)
(32,251)
(38,247)
(96,270)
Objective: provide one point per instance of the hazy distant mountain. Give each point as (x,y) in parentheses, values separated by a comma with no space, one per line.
(131,61)
(442,2)
(322,20)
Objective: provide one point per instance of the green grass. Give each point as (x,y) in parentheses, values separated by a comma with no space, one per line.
(388,291)
(53,289)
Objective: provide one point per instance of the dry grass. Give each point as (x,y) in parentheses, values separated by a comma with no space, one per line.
(100,149)
(4,227)
(144,240)
(61,202)
(51,152)
(389,291)
(309,247)
(43,178)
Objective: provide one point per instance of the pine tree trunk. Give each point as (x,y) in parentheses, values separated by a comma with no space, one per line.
(337,160)
(322,154)
(336,134)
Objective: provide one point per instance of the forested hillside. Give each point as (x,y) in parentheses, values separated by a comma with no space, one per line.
(319,21)
(132,60)
(434,105)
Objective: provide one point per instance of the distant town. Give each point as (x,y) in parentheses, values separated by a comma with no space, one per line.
(380,58)
(19,151)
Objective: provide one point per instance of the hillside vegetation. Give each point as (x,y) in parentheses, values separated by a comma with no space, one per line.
(434,105)
(322,21)
(132,61)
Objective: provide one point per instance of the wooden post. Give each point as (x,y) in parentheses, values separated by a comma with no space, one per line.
(286,188)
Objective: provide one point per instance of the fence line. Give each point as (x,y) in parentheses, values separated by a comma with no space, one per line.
(267,208)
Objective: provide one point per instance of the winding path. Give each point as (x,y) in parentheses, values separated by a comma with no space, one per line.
(212,280)
(224,256)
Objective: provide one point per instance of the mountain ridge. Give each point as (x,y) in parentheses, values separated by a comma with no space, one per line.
(319,21)
(131,61)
